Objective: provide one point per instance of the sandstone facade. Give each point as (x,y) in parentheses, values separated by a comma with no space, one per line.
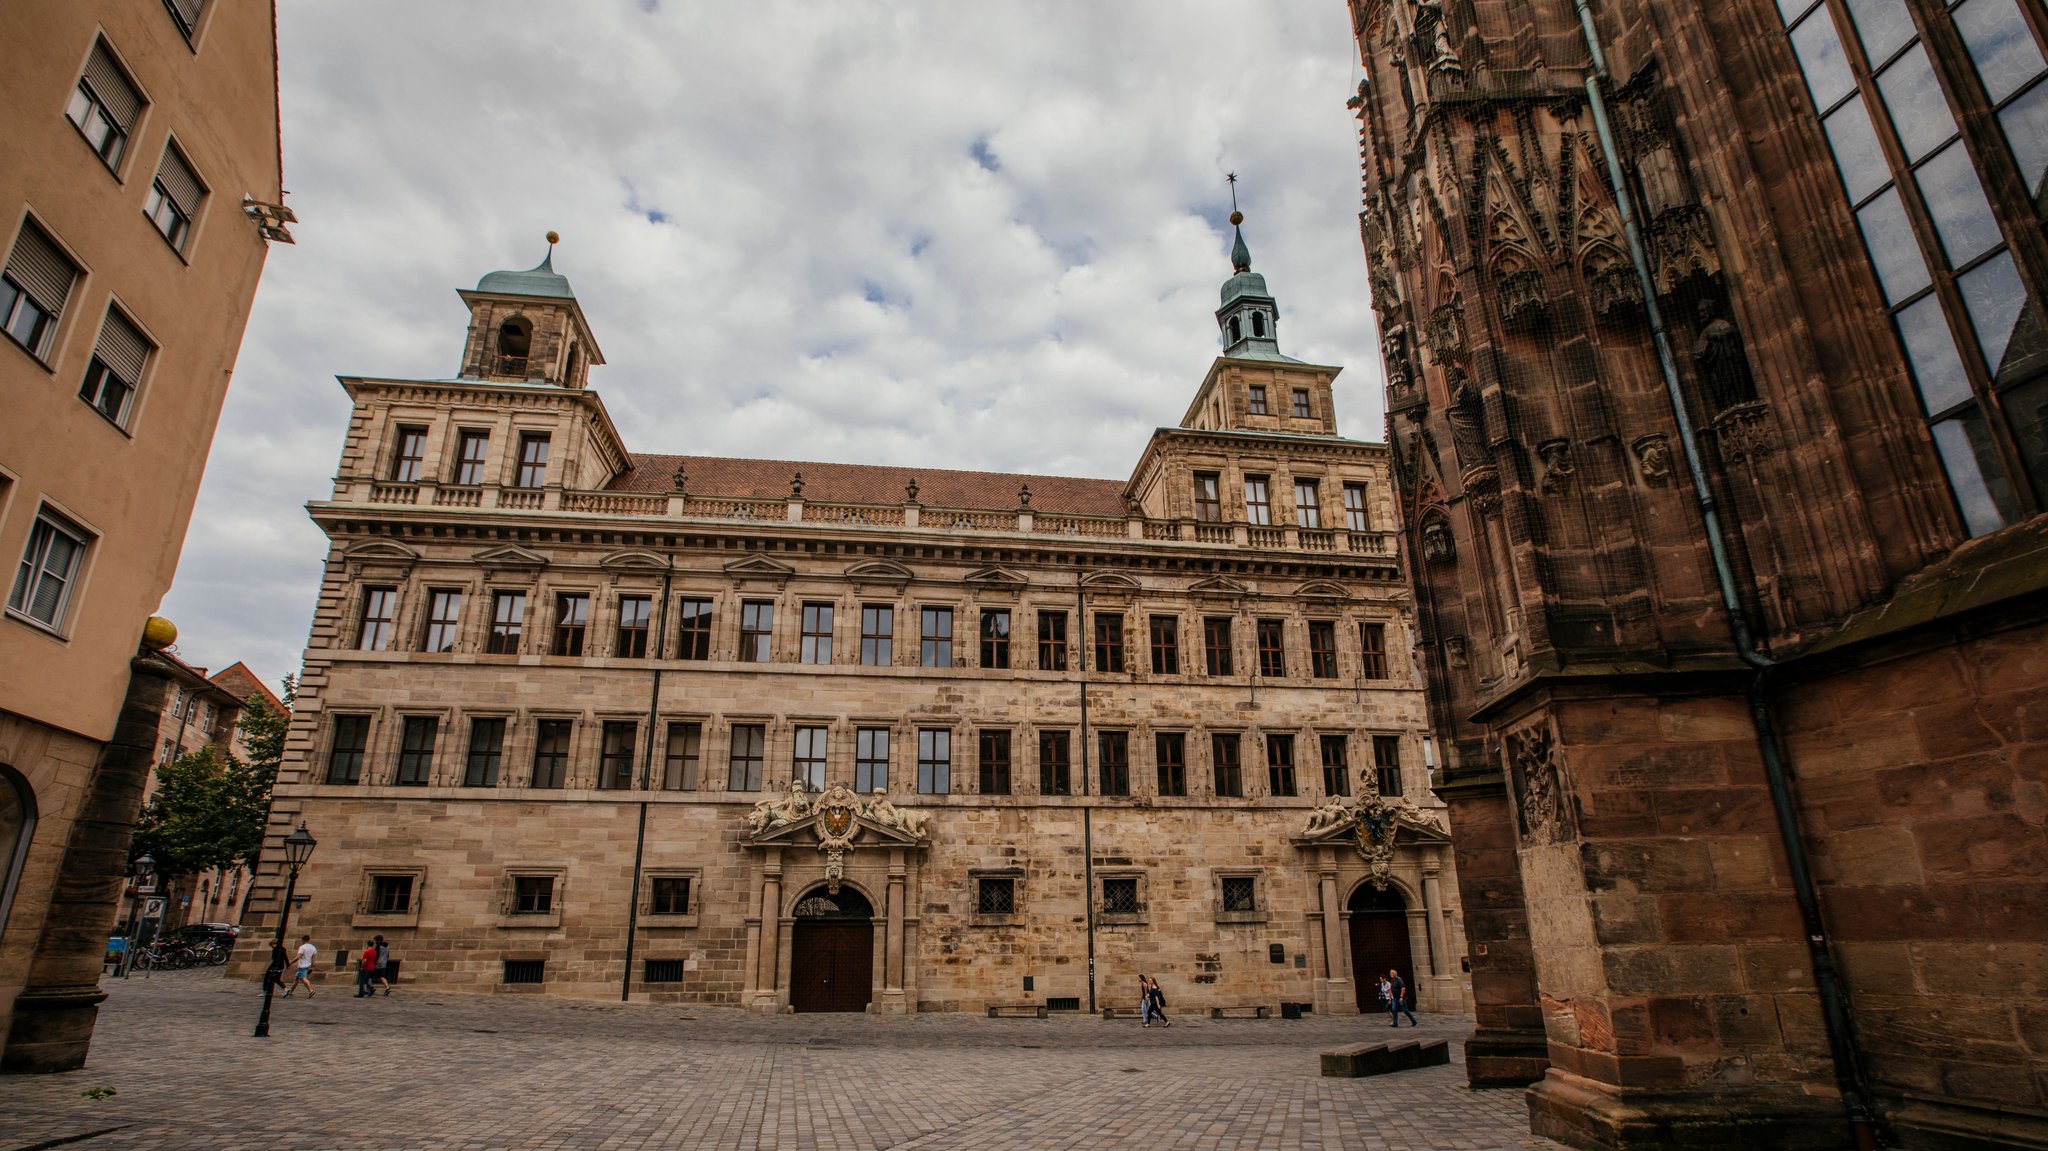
(1050,733)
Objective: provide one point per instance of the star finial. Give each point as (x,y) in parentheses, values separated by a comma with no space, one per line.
(1236,217)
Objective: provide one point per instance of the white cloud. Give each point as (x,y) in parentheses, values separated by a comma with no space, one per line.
(956,235)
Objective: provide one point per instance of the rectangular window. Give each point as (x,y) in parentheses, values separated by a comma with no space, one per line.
(416,750)
(1386,763)
(808,766)
(473,449)
(1280,764)
(749,748)
(522,971)
(380,608)
(1322,648)
(994,762)
(1171,750)
(116,368)
(532,895)
(935,632)
(680,759)
(486,752)
(757,631)
(693,636)
(345,754)
(1223,750)
(1372,649)
(551,753)
(170,752)
(1258,502)
(185,14)
(1216,644)
(1109,641)
(1113,762)
(877,635)
(634,612)
(816,645)
(390,894)
(1272,649)
(508,622)
(995,638)
(1301,411)
(1258,406)
(409,458)
(871,760)
(1165,645)
(662,971)
(1336,772)
(49,570)
(1308,510)
(1240,893)
(572,621)
(995,895)
(444,620)
(173,201)
(104,105)
(671,896)
(934,761)
(34,289)
(1354,508)
(615,755)
(1120,895)
(1055,763)
(533,459)
(1208,497)
(1052,641)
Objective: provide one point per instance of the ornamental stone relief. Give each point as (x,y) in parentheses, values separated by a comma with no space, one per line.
(837,818)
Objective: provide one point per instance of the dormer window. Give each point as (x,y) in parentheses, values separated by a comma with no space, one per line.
(515,339)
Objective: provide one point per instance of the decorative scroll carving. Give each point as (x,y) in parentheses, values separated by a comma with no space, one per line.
(1374,824)
(1537,771)
(1653,459)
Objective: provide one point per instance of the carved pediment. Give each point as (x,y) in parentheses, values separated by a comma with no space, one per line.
(633,560)
(758,568)
(1110,583)
(838,821)
(1219,586)
(379,559)
(994,578)
(1322,589)
(880,572)
(509,556)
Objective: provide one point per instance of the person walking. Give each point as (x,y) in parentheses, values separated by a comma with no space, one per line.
(1397,1000)
(366,970)
(1157,1000)
(305,967)
(1144,1001)
(383,964)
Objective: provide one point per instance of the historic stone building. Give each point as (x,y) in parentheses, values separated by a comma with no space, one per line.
(139,187)
(1717,414)
(832,737)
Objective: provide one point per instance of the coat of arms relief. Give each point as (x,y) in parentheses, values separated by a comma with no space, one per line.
(837,817)
(1374,822)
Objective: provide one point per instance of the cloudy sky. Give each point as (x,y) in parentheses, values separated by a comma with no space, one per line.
(978,235)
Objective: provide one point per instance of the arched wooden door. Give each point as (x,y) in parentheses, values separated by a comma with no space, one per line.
(832,952)
(1379,941)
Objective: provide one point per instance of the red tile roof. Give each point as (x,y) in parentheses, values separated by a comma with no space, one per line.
(869,484)
(237,680)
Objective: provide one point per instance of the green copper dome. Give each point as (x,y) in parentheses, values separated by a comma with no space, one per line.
(541,280)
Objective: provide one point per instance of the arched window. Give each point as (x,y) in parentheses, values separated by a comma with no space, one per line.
(17,827)
(1259,324)
(515,338)
(1236,333)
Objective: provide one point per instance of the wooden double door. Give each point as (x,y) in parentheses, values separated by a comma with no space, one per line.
(1379,941)
(832,952)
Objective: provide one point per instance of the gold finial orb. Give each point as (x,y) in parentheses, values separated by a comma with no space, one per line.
(159,633)
(1236,218)
(554,237)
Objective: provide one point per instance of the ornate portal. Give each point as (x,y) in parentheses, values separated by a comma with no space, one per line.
(837,819)
(1374,823)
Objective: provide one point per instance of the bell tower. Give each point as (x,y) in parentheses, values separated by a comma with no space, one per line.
(526,326)
(1249,316)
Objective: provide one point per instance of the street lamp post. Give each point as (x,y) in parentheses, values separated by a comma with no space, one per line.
(298,847)
(145,870)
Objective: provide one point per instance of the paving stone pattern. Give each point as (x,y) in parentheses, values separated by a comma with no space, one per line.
(434,1070)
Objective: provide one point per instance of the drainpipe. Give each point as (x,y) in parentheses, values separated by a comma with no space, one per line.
(646,784)
(1087,810)
(1826,975)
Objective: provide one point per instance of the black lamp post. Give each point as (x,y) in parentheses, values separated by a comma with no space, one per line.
(145,870)
(298,847)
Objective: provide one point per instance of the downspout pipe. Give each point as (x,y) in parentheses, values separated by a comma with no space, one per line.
(1087,810)
(646,784)
(1827,978)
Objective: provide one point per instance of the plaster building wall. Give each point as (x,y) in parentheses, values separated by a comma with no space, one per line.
(1848,289)
(981,889)
(128,143)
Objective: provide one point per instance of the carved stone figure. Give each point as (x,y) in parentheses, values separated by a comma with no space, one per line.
(1532,755)
(911,823)
(1723,366)
(1436,541)
(1334,813)
(1556,457)
(1467,417)
(1653,460)
(1454,651)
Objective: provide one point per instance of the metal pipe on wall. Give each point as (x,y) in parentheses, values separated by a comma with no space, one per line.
(646,784)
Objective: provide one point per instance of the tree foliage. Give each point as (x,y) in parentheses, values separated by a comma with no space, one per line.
(209,808)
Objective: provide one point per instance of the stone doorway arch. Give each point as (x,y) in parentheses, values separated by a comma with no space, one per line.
(1379,941)
(832,951)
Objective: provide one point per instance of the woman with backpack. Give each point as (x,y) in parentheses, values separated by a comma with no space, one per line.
(1155,999)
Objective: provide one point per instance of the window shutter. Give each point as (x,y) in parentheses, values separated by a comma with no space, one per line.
(179,182)
(188,12)
(111,85)
(43,271)
(122,348)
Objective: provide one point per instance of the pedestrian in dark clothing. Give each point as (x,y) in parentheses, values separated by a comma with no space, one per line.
(1157,1000)
(1397,1000)
(366,970)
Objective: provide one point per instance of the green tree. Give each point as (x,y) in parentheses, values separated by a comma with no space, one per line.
(209,808)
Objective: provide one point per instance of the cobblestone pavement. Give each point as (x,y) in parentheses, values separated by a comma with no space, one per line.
(431,1070)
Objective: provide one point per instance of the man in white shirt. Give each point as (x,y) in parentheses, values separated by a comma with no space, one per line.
(306,953)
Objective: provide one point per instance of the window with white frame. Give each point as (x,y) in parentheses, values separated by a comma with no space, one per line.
(174,197)
(34,289)
(104,105)
(47,579)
